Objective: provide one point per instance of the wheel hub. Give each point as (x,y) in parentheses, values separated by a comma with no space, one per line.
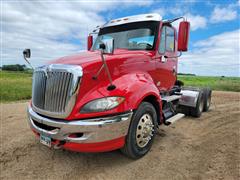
(145,129)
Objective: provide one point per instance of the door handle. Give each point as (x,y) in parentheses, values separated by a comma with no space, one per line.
(164,59)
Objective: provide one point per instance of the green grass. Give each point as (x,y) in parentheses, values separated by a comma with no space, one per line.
(216,83)
(16,86)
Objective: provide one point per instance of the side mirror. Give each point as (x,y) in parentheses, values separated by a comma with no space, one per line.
(107,46)
(183,35)
(89,42)
(27,53)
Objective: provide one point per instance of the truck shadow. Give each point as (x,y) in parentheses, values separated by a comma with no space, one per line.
(87,159)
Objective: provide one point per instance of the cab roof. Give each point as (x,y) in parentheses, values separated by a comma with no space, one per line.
(131,19)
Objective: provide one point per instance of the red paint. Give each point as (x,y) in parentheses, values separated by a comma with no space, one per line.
(131,72)
(36,133)
(136,75)
(164,71)
(96,147)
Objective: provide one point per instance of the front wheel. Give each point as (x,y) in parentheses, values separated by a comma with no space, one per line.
(141,131)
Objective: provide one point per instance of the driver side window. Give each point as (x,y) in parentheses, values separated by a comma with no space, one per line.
(140,39)
(167,42)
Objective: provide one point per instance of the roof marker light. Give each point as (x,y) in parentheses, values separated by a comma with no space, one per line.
(149,16)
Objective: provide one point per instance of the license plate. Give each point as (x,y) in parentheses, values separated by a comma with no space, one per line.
(45,140)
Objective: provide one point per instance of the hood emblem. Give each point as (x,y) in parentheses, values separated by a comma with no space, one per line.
(47,71)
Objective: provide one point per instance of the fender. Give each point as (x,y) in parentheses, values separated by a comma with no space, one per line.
(135,87)
(139,86)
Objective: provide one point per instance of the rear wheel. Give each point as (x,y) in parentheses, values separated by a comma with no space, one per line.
(197,111)
(141,131)
(207,93)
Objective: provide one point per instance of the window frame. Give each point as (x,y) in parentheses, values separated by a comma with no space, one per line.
(138,25)
(165,26)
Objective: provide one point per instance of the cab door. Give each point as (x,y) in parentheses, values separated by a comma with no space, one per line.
(166,60)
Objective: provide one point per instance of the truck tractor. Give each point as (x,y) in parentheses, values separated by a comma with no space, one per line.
(116,94)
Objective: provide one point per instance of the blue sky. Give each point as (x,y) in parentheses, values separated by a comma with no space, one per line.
(54,29)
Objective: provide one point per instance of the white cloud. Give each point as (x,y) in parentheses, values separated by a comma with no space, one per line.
(51,29)
(217,55)
(54,30)
(196,21)
(223,14)
(178,10)
(160,11)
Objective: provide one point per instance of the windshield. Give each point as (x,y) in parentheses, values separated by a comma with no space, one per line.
(132,36)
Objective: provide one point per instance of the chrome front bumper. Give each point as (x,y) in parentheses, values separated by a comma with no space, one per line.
(93,130)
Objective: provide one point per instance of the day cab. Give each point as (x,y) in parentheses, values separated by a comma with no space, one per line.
(117,93)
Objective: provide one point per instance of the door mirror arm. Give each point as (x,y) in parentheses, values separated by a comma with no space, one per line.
(106,47)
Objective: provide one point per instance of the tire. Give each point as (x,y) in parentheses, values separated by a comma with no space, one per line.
(197,111)
(207,93)
(133,147)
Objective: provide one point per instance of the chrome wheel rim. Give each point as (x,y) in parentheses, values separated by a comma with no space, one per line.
(145,130)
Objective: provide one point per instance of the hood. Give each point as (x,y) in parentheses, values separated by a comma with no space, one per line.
(88,57)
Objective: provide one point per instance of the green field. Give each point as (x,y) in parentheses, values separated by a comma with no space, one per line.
(216,83)
(16,86)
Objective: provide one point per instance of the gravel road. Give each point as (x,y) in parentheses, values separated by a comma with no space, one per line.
(203,148)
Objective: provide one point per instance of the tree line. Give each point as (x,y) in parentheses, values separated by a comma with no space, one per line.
(14,67)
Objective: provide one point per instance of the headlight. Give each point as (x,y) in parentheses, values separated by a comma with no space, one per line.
(102,104)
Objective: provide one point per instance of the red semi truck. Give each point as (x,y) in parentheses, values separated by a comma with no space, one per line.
(116,94)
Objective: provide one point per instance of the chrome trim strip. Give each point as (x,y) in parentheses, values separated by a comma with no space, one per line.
(94,130)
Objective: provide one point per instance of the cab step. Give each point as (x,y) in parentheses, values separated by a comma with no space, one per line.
(171,98)
(174,118)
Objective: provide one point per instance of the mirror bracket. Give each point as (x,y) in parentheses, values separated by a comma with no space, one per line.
(111,87)
(106,48)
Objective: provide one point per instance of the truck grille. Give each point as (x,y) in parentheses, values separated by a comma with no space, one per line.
(54,89)
(51,93)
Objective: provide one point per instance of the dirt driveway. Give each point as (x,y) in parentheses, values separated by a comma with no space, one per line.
(204,148)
